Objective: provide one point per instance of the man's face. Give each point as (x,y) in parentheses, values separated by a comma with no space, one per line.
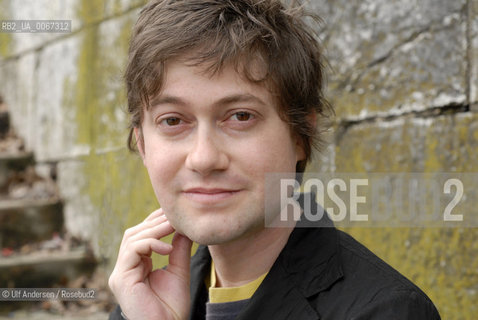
(208,143)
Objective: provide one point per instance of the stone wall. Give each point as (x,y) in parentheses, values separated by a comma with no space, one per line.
(67,99)
(405,87)
(403,79)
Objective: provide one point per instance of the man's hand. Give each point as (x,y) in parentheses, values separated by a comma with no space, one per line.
(146,294)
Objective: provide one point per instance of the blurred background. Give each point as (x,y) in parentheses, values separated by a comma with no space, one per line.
(403,78)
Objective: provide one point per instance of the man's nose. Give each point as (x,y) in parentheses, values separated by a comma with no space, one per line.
(207,153)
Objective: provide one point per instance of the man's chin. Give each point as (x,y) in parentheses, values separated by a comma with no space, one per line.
(214,229)
(210,237)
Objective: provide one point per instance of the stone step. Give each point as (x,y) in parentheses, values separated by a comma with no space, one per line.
(4,123)
(18,160)
(11,162)
(25,221)
(44,269)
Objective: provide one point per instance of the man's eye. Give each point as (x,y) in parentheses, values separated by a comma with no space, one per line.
(172,121)
(242,116)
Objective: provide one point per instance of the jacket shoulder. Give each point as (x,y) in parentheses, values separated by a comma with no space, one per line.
(372,289)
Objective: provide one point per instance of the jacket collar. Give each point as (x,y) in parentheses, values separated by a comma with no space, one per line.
(200,267)
(311,257)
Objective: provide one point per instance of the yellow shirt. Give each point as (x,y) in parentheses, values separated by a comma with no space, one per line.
(229,294)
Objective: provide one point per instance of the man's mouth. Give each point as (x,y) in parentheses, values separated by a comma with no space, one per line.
(209,196)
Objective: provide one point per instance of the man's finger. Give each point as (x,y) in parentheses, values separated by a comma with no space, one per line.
(155,231)
(155,214)
(133,231)
(180,257)
(132,254)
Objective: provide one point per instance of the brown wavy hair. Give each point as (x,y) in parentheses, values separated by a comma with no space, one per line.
(214,33)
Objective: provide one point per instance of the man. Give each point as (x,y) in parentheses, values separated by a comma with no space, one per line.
(221,93)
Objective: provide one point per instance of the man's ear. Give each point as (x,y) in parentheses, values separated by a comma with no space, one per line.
(312,120)
(138,134)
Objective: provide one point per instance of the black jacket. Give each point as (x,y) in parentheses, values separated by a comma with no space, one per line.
(322,273)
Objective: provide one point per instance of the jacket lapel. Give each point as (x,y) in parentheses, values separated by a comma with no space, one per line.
(308,265)
(200,267)
(278,298)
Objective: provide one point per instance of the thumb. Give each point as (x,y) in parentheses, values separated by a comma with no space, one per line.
(180,257)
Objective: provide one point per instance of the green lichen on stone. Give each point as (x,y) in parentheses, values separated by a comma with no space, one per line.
(90,11)
(119,6)
(432,163)
(86,86)
(443,262)
(5,44)
(6,40)
(117,183)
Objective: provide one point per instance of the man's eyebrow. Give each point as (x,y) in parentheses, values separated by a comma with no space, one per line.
(227,100)
(242,97)
(166,99)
